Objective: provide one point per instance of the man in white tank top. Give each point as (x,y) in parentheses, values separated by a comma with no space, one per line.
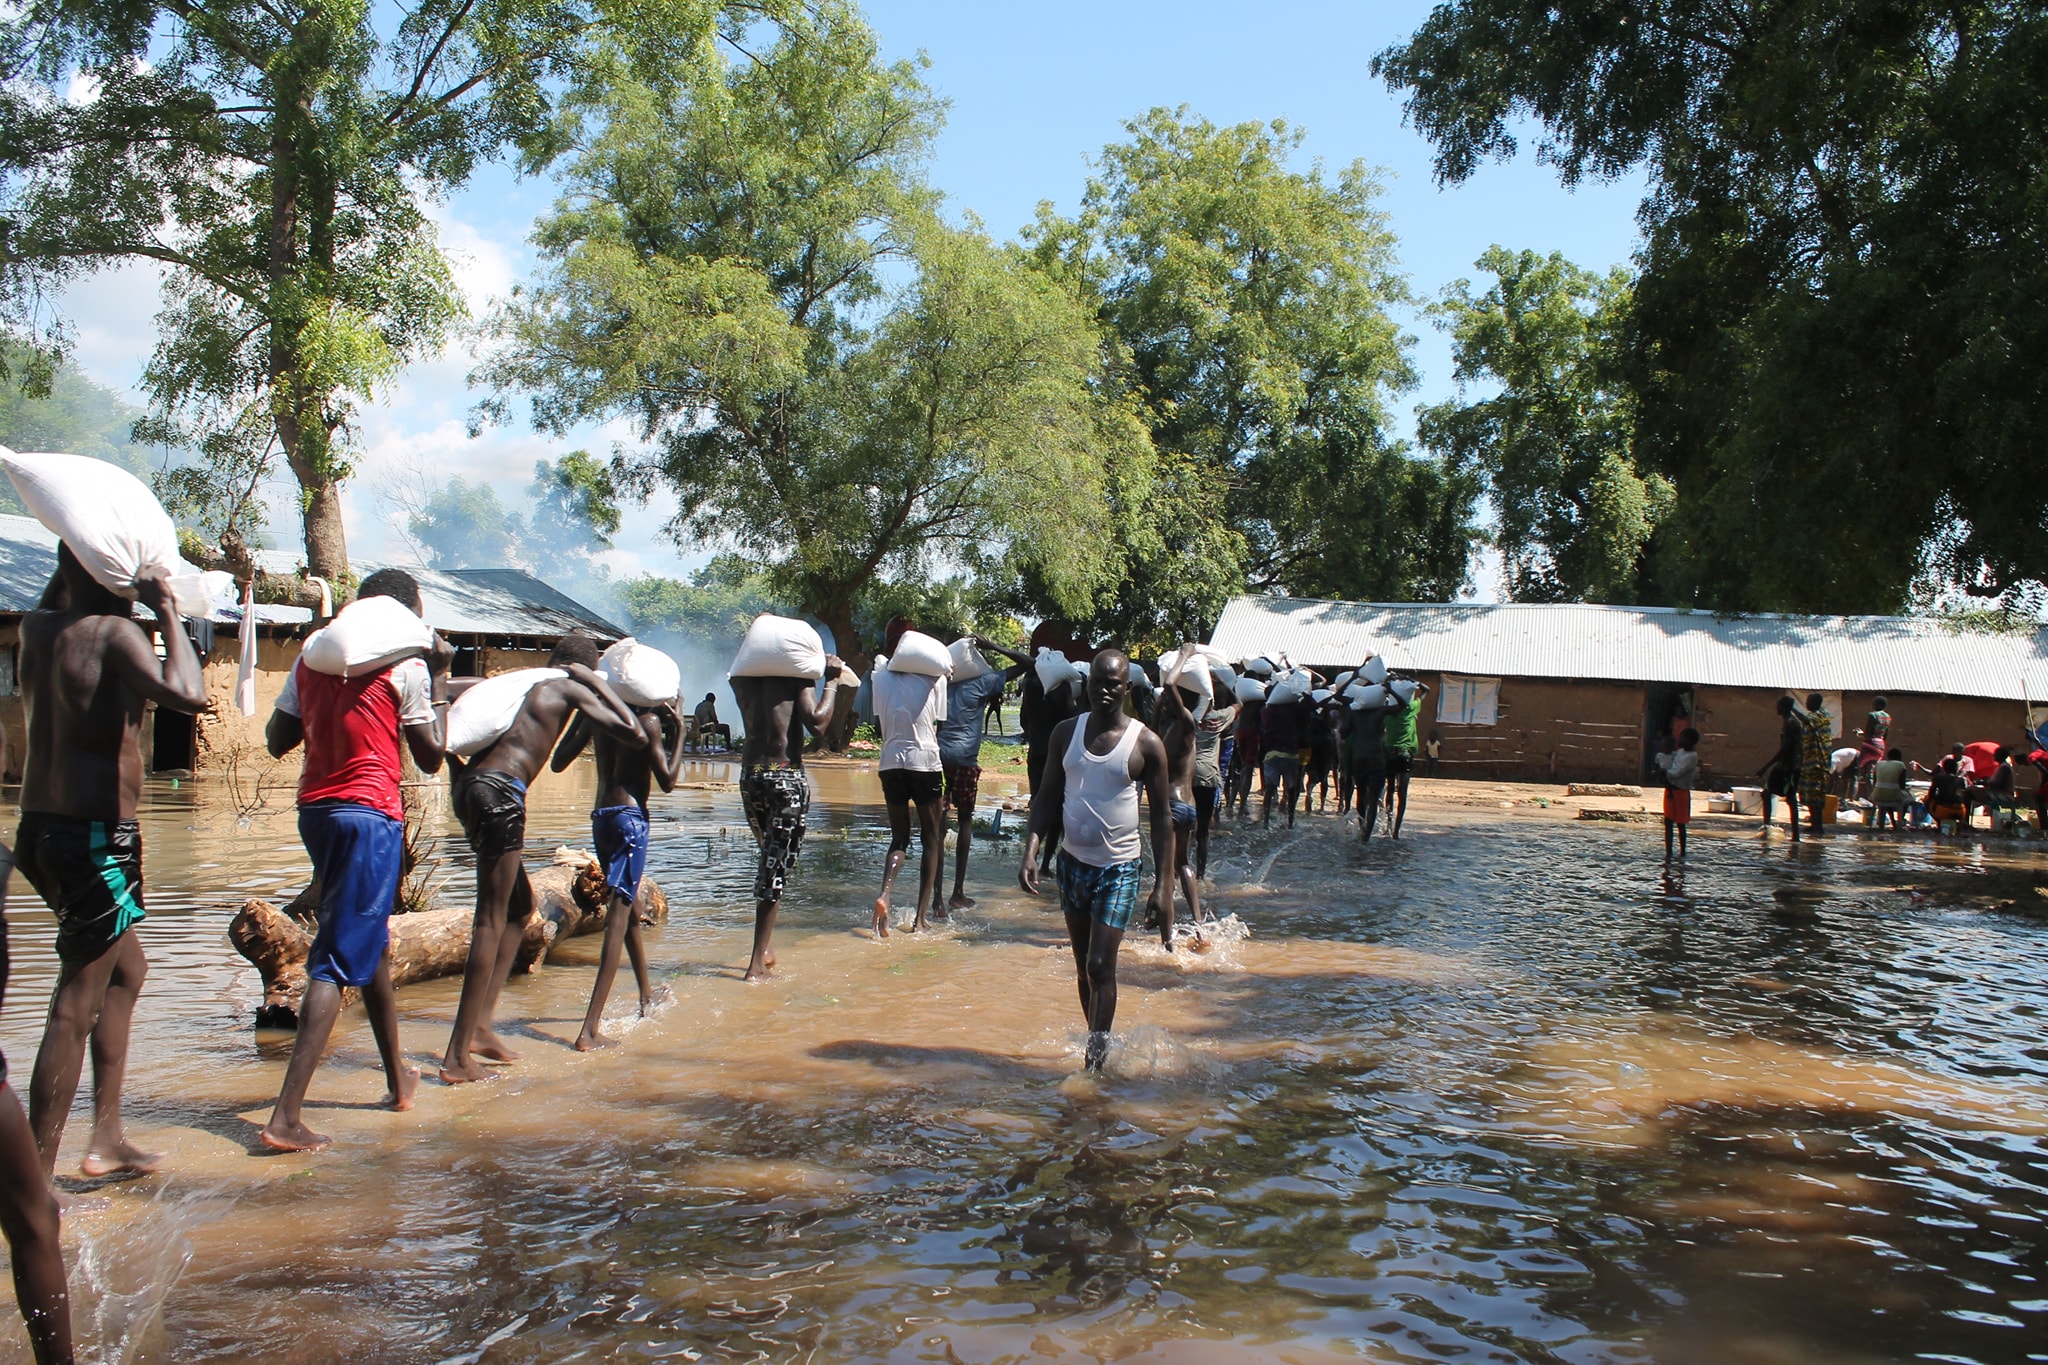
(1095,765)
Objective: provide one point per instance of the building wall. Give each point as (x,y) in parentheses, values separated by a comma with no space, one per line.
(1547,732)
(1739,728)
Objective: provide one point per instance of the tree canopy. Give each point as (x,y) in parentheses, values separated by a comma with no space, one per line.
(833,380)
(1834,337)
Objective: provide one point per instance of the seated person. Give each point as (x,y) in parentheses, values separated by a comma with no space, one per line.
(709,731)
(1999,787)
(1889,795)
(1948,794)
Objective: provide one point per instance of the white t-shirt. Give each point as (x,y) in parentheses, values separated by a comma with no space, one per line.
(908,708)
(1683,770)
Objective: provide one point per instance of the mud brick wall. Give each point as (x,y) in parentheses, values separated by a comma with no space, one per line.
(1548,731)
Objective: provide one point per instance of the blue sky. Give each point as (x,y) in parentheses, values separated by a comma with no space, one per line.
(1036,91)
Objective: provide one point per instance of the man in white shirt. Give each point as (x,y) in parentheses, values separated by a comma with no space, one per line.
(909,708)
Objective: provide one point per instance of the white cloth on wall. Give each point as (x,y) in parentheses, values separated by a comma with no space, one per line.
(1468,701)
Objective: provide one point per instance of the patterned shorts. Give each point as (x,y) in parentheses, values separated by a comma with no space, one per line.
(963,786)
(776,801)
(1108,894)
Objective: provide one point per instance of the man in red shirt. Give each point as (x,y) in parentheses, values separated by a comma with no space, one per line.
(353,823)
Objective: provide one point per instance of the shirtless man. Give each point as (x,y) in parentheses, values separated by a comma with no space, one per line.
(772,786)
(87,668)
(28,1207)
(352,821)
(619,831)
(1178,735)
(489,797)
(1098,762)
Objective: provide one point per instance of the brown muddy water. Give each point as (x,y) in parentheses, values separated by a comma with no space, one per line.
(1501,1092)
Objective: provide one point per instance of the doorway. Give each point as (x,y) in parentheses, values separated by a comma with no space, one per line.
(174,741)
(1667,711)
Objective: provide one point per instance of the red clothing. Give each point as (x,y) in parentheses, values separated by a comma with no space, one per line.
(1983,756)
(353,732)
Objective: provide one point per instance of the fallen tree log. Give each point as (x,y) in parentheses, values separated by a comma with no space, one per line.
(569,899)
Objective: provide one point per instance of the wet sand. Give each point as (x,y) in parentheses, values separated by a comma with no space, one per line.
(1508,1090)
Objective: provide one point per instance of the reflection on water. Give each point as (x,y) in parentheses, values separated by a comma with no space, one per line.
(1503,1091)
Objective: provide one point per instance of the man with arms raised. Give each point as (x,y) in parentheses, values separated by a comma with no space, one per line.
(1097,763)
(960,750)
(772,785)
(1174,723)
(619,830)
(352,821)
(87,669)
(490,800)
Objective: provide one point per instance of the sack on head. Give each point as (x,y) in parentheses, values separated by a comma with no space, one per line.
(919,653)
(779,647)
(368,634)
(1373,670)
(1366,696)
(1343,680)
(1250,689)
(1259,667)
(1321,695)
(641,674)
(1289,686)
(968,663)
(482,715)
(1055,670)
(114,525)
(1403,689)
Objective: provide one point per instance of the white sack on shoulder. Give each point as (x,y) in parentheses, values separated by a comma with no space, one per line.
(482,715)
(368,634)
(1373,670)
(641,674)
(1289,686)
(1250,689)
(1402,688)
(1195,677)
(1367,696)
(968,663)
(1056,670)
(1259,667)
(779,647)
(917,652)
(1321,695)
(109,518)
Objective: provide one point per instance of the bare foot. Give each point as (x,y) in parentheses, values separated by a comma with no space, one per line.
(295,1137)
(588,1041)
(119,1156)
(466,1074)
(757,973)
(959,902)
(881,917)
(919,925)
(661,995)
(491,1050)
(400,1100)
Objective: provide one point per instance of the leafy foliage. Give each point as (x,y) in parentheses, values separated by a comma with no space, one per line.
(1248,302)
(1835,335)
(836,383)
(1554,443)
(466,526)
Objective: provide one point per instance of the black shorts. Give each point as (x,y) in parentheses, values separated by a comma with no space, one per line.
(492,808)
(901,784)
(89,872)
(1400,762)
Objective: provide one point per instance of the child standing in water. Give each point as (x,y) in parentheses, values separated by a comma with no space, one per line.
(1680,775)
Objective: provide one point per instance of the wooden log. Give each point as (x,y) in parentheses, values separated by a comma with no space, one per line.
(569,899)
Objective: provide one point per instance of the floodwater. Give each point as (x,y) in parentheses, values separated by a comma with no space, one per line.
(1502,1092)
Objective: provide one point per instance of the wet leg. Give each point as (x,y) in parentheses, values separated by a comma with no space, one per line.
(511,939)
(931,845)
(899,849)
(1397,803)
(380,1003)
(1183,836)
(28,1217)
(494,882)
(960,899)
(636,953)
(1667,841)
(74,1009)
(619,916)
(109,1150)
(286,1132)
(1103,943)
(1205,816)
(763,959)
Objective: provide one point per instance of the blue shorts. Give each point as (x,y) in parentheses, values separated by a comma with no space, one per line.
(357,855)
(1184,815)
(1108,894)
(620,833)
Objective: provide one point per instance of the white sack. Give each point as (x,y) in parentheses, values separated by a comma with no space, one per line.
(1343,681)
(112,522)
(1195,677)
(368,634)
(1367,696)
(641,674)
(1402,688)
(1321,695)
(1056,670)
(968,663)
(1373,670)
(1259,667)
(779,647)
(482,715)
(1289,686)
(1250,689)
(919,653)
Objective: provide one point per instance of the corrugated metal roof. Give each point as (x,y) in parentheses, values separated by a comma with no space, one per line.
(1646,644)
(28,556)
(500,602)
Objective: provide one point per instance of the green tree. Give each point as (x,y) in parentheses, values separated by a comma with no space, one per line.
(835,383)
(575,515)
(466,526)
(1836,330)
(1249,302)
(275,159)
(1553,440)
(74,415)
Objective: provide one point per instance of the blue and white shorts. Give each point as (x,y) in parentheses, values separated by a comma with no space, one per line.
(1108,894)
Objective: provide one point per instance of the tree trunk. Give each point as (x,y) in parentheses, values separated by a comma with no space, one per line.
(569,899)
(326,544)
(838,618)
